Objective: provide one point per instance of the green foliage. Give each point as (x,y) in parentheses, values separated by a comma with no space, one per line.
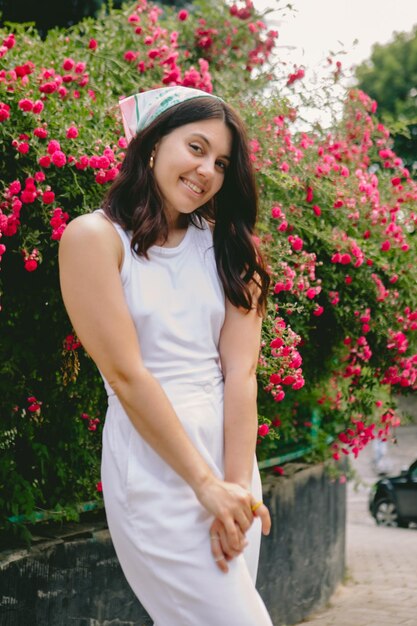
(390,77)
(47,14)
(49,433)
(337,226)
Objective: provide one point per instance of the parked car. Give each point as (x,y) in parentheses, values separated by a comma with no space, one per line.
(393,500)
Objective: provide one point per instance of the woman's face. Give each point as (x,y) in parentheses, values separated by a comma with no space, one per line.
(190,165)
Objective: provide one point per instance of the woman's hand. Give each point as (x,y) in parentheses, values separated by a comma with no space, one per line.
(231,505)
(220,546)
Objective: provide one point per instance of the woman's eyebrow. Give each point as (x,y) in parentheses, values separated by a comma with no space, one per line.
(207,142)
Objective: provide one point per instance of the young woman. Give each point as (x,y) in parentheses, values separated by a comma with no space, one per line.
(165,290)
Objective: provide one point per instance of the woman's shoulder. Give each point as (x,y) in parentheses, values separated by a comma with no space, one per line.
(94,223)
(92,229)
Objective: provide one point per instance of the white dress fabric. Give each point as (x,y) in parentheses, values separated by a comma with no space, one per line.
(159,529)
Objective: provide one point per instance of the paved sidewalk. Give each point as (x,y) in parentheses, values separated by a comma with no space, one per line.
(381,583)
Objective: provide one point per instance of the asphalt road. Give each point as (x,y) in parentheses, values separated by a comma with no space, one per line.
(381,582)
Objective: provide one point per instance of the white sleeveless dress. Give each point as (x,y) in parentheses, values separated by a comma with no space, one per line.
(159,529)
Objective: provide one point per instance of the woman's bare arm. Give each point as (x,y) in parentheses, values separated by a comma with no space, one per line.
(90,255)
(239,353)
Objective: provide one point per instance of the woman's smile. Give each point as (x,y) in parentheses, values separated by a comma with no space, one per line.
(192,186)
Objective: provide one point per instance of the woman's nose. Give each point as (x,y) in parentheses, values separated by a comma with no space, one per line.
(206,168)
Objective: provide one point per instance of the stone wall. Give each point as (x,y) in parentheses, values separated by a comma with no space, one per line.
(303,559)
(75,580)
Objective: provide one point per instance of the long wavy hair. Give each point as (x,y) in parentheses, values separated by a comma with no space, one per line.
(134,202)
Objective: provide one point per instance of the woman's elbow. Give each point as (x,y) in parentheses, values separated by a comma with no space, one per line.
(122,380)
(242,374)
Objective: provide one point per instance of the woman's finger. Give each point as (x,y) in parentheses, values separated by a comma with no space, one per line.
(232,533)
(228,550)
(217,552)
(244,520)
(216,546)
(242,517)
(262,512)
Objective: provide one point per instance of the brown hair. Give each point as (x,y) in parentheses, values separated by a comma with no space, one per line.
(134,201)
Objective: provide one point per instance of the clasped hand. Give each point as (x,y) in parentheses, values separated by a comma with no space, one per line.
(231,506)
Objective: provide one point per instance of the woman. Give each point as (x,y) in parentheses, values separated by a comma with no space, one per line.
(165,290)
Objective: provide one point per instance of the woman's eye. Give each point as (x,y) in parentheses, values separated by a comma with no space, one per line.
(195,147)
(222,165)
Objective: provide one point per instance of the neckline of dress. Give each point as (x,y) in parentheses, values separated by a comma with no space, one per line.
(173,250)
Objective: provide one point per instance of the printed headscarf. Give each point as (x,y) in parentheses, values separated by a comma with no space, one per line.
(139,110)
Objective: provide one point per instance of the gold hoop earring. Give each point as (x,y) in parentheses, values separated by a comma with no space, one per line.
(151,162)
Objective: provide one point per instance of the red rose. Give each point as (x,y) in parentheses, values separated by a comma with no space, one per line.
(4,111)
(183,15)
(48,197)
(41,133)
(30,266)
(45,161)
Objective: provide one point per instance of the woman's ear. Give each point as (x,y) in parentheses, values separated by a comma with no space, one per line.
(155,149)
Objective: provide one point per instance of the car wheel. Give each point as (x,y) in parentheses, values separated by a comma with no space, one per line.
(386,514)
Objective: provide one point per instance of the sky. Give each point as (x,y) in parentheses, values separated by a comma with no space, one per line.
(316,27)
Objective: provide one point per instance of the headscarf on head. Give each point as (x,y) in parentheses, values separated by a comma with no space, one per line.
(139,110)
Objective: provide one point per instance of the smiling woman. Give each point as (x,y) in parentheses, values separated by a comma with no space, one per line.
(161,285)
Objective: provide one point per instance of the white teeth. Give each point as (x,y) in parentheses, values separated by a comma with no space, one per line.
(191,186)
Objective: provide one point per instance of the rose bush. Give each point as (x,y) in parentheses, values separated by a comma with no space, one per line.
(337,227)
(345,205)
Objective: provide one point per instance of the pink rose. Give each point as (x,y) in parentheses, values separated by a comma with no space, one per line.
(25,104)
(58,158)
(53,146)
(72,132)
(68,64)
(263,430)
(38,106)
